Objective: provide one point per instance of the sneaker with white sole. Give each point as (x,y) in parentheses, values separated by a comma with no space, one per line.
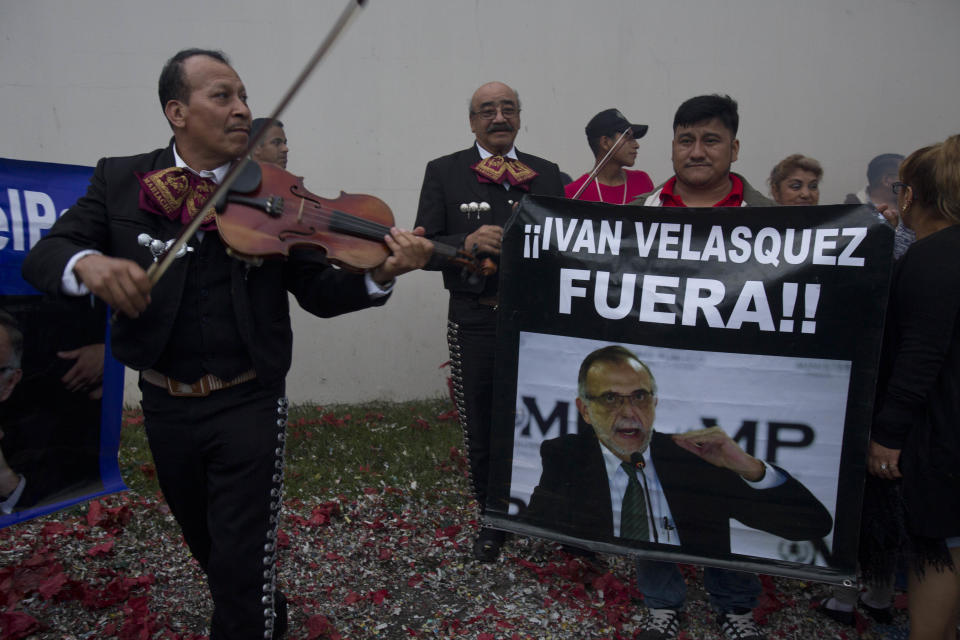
(739,626)
(661,624)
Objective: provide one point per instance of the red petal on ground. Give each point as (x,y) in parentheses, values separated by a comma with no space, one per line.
(120,515)
(323,513)
(101,549)
(140,623)
(448,532)
(283,540)
(52,585)
(94,513)
(414,580)
(332,419)
(378,596)
(486,636)
(352,598)
(385,554)
(768,602)
(17,624)
(148,470)
(319,627)
(53,528)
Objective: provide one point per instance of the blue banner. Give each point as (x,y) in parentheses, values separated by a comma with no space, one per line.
(32,196)
(61,398)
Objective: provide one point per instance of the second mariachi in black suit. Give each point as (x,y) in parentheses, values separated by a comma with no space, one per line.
(573,496)
(450,186)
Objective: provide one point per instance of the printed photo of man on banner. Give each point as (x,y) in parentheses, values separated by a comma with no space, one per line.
(60,392)
(687,387)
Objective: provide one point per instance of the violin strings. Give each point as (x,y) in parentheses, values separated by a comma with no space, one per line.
(351,224)
(367,229)
(346,222)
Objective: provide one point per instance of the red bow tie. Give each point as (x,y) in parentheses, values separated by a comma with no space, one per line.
(498,170)
(177,194)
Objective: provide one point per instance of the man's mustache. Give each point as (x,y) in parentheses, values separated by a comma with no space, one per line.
(500,126)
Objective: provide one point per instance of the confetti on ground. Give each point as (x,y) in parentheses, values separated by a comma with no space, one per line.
(381,566)
(375,547)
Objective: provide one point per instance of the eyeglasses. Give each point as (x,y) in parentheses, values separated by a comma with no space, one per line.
(611,400)
(898,187)
(489,113)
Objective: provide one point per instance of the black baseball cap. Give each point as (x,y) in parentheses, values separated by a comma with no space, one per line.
(610,122)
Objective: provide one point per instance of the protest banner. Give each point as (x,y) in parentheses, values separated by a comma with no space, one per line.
(60,425)
(764,322)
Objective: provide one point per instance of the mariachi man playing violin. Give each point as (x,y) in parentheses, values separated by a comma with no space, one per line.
(465,201)
(212,339)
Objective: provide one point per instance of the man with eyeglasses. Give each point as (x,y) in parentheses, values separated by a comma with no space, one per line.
(881,194)
(622,479)
(465,201)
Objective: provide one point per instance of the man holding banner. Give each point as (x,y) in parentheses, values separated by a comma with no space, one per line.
(705,144)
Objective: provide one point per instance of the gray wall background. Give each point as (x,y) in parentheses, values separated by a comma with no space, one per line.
(840,80)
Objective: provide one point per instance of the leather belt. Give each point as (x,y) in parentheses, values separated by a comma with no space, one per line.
(488,301)
(199,389)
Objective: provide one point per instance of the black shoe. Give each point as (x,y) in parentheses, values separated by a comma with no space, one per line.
(660,624)
(739,626)
(280,615)
(881,615)
(843,617)
(488,543)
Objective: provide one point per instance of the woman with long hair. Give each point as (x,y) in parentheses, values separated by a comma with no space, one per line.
(915,439)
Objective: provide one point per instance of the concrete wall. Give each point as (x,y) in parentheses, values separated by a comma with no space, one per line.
(840,80)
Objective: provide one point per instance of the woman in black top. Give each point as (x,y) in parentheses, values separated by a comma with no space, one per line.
(916,431)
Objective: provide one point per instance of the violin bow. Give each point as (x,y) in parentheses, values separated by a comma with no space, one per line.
(602,163)
(157,269)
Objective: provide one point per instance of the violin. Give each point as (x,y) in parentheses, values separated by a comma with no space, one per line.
(268,211)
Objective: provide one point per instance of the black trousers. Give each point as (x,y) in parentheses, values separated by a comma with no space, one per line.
(219,462)
(472,338)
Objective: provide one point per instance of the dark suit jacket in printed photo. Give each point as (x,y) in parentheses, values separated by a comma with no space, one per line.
(573,497)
